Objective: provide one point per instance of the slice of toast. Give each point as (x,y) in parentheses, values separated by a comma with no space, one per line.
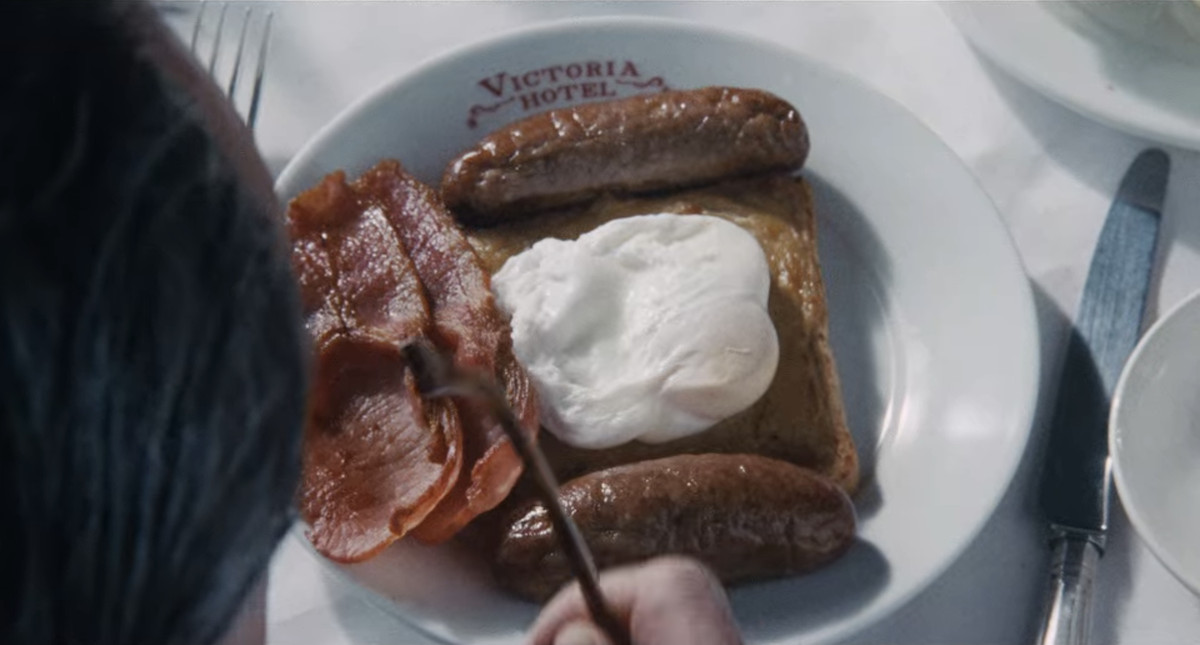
(800,419)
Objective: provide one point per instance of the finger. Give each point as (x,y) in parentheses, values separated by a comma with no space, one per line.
(681,602)
(663,601)
(568,605)
(581,632)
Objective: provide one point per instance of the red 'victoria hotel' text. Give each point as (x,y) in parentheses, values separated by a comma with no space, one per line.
(541,88)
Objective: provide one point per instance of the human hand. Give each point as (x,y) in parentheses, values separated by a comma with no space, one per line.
(669,600)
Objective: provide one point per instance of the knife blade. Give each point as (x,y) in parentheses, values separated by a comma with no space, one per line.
(1076,478)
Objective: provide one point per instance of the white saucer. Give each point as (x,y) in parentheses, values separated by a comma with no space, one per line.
(1154,440)
(1132,65)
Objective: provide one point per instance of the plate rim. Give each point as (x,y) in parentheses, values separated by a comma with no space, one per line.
(965,17)
(1022,420)
(1137,518)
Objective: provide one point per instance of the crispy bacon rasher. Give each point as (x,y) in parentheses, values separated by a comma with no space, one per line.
(381,263)
(468,326)
(377,458)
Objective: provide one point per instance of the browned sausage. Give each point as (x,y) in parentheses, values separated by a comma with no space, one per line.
(634,145)
(745,516)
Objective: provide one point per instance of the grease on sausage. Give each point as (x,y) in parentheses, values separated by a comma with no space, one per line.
(634,145)
(745,516)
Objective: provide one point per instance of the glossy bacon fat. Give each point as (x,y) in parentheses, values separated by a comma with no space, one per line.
(381,264)
(468,326)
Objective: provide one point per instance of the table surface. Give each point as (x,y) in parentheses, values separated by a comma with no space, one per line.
(1051,173)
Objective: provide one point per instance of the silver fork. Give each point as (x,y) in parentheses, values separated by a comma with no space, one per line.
(219,65)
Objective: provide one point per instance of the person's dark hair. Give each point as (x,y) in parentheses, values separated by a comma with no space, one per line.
(152,356)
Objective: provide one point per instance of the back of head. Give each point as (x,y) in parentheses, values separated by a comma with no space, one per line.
(151,349)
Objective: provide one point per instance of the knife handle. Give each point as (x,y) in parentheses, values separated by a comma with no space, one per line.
(1067,617)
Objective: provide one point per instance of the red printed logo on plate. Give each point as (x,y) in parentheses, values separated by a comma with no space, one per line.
(544,88)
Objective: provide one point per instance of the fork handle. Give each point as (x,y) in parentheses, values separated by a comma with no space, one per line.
(1067,616)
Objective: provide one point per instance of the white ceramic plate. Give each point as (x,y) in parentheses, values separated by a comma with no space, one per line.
(932,317)
(1154,440)
(1130,65)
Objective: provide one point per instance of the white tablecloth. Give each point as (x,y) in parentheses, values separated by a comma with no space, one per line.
(1050,172)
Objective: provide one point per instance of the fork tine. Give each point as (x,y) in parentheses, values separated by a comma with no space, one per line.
(237,68)
(237,60)
(212,60)
(256,94)
(196,25)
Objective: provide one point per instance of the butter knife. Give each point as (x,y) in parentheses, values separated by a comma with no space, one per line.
(1076,477)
